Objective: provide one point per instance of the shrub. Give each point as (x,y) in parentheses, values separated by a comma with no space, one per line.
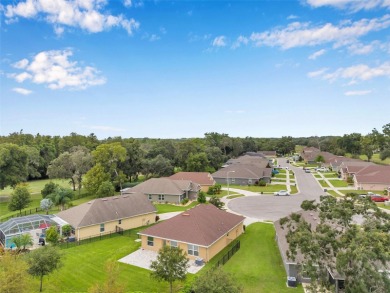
(262,183)
(185,201)
(157,218)
(211,190)
(49,188)
(202,197)
(66,230)
(350,180)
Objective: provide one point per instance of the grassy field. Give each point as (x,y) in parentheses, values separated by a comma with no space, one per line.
(35,188)
(258,266)
(376,159)
(317,175)
(323,183)
(167,208)
(269,188)
(338,183)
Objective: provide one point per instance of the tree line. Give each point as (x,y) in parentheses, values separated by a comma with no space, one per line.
(116,161)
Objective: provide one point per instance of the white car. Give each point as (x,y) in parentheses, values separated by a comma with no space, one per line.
(322,169)
(281,192)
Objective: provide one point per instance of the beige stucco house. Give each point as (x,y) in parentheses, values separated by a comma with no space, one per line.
(107,215)
(201,232)
(166,190)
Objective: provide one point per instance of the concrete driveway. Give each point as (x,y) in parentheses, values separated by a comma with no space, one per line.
(272,208)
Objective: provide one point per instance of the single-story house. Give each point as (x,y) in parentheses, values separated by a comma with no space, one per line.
(268,154)
(309,154)
(166,190)
(242,174)
(350,168)
(201,232)
(204,179)
(249,160)
(373,177)
(110,214)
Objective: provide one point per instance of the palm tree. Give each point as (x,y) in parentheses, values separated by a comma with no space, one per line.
(61,196)
(23,240)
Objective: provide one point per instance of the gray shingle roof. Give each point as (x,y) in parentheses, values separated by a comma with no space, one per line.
(165,186)
(201,225)
(107,209)
(245,171)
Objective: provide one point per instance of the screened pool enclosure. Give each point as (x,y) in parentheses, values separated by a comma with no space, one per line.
(33,224)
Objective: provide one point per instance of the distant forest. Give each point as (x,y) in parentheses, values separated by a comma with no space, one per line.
(118,160)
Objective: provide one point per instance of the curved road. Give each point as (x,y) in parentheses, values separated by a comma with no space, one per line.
(272,208)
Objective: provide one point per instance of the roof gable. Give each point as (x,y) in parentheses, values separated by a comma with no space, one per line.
(201,225)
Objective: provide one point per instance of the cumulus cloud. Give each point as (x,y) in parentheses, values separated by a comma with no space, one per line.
(357,93)
(219,41)
(85,14)
(317,54)
(292,16)
(127,3)
(22,91)
(360,72)
(240,40)
(317,73)
(353,5)
(298,34)
(56,71)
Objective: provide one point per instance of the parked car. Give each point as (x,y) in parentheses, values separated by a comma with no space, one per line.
(322,169)
(307,171)
(379,198)
(281,192)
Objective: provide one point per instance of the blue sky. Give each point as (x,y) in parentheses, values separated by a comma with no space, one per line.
(173,69)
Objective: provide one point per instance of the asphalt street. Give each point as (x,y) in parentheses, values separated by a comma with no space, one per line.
(272,208)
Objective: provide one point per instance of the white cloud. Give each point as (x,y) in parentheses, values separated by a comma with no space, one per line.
(317,73)
(317,54)
(127,3)
(357,93)
(54,69)
(355,73)
(292,16)
(219,41)
(154,38)
(360,49)
(22,91)
(353,5)
(299,34)
(240,40)
(84,14)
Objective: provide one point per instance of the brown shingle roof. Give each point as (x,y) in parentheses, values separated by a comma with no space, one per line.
(245,171)
(202,178)
(107,209)
(201,225)
(374,174)
(163,186)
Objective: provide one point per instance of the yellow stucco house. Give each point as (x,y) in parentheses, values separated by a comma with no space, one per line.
(201,232)
(107,215)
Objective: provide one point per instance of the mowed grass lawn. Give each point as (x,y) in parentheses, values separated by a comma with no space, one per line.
(323,183)
(167,208)
(84,266)
(338,183)
(258,266)
(268,188)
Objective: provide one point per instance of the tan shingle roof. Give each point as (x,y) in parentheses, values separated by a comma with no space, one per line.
(374,174)
(163,186)
(201,225)
(202,178)
(245,171)
(107,209)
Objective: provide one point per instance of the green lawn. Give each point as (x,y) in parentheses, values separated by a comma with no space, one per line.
(376,159)
(282,171)
(382,205)
(35,188)
(293,189)
(84,266)
(269,188)
(258,266)
(167,208)
(278,179)
(317,175)
(338,183)
(330,175)
(323,183)
(235,196)
(361,191)
(333,193)
(280,175)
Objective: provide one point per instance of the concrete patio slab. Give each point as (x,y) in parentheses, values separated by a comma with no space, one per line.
(142,258)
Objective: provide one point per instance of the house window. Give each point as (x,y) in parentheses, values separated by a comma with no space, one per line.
(150,241)
(193,250)
(233,180)
(101,228)
(249,181)
(161,197)
(173,243)
(150,197)
(119,222)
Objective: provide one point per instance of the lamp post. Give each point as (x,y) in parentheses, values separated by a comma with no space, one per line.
(228,180)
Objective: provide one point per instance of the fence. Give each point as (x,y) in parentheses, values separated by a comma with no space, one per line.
(228,255)
(24,213)
(94,238)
